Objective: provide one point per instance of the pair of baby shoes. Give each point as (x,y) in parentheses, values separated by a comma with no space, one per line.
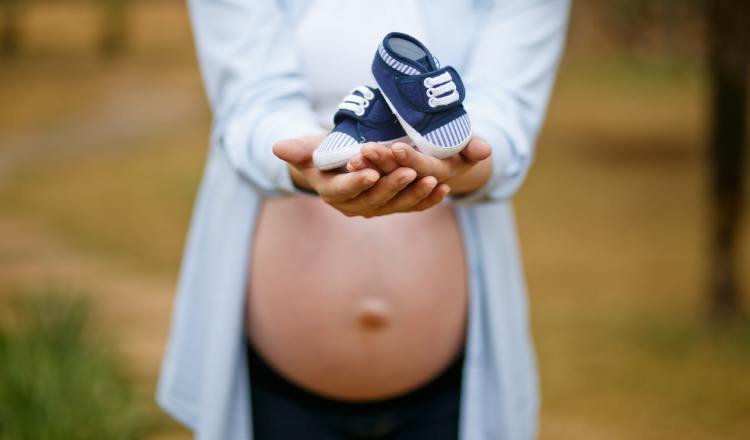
(416,100)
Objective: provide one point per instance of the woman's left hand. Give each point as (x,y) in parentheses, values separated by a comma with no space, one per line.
(464,172)
(364,192)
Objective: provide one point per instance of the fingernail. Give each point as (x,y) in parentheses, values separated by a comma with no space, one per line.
(357,162)
(406,179)
(399,152)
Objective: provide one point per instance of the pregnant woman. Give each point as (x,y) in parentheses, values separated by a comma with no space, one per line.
(363,304)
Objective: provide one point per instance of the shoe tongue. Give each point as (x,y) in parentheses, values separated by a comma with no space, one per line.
(427,64)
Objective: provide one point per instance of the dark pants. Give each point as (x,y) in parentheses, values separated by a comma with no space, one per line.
(284,411)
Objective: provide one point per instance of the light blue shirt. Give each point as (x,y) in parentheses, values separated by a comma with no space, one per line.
(507,52)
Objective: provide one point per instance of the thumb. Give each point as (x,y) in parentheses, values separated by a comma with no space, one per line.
(296,151)
(478,149)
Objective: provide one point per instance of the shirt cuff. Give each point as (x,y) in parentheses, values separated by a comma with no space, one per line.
(252,150)
(502,164)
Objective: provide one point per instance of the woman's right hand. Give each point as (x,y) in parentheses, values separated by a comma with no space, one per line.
(364,192)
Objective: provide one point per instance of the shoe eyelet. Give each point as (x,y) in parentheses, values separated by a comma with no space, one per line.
(427,83)
(369,95)
(432,102)
(431,93)
(360,112)
(366,104)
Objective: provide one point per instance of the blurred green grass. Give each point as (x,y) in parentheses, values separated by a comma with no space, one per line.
(59,381)
(612,219)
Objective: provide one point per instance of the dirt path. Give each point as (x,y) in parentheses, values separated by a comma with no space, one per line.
(125,109)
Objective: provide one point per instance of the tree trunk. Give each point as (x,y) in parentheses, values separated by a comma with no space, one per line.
(10,28)
(114,30)
(727,22)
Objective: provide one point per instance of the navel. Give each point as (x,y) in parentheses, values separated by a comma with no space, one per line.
(374,314)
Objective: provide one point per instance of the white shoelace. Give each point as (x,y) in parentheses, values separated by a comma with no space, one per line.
(357,103)
(438,86)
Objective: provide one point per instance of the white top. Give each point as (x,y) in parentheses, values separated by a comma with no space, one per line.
(335,59)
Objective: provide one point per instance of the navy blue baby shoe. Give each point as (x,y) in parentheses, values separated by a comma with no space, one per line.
(426,98)
(363,116)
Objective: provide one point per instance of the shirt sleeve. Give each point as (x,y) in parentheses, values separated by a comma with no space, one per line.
(254,84)
(508,80)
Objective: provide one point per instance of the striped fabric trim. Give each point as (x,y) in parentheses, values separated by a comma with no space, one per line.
(451,134)
(398,65)
(335,141)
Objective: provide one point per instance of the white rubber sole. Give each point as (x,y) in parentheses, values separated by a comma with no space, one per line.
(421,142)
(335,159)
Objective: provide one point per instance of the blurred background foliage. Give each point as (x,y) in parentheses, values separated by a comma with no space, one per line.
(57,380)
(631,221)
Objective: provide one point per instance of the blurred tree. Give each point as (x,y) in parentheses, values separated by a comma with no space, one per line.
(728,25)
(114,26)
(10,27)
(722,28)
(657,26)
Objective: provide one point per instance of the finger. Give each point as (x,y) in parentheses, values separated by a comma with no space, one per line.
(340,187)
(478,149)
(435,198)
(359,162)
(296,151)
(411,196)
(387,187)
(423,164)
(381,156)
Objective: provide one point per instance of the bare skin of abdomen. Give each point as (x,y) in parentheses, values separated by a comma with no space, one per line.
(356,309)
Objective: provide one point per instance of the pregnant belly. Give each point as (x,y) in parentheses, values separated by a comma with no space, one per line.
(356,309)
